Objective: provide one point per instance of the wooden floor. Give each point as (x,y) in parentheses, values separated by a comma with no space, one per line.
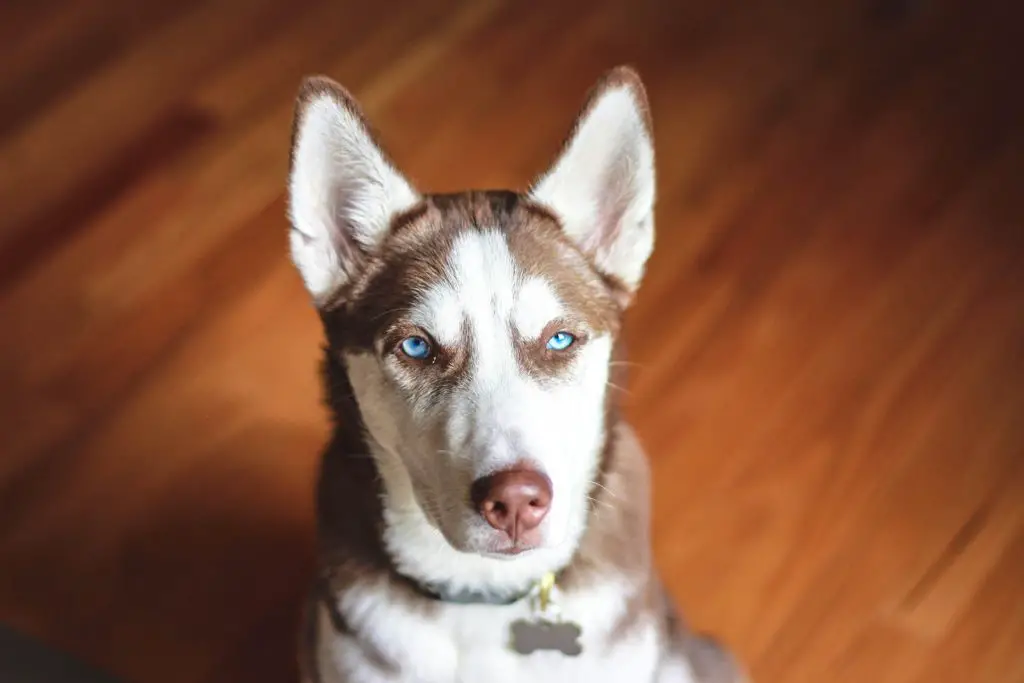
(829,346)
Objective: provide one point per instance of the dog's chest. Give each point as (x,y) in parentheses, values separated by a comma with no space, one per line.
(473,643)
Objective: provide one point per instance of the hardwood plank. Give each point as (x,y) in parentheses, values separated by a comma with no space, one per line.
(39,65)
(60,148)
(168,137)
(985,644)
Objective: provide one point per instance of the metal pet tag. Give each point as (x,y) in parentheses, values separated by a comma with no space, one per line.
(543,633)
(530,636)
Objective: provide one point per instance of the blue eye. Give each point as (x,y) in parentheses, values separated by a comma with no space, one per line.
(560,341)
(417,348)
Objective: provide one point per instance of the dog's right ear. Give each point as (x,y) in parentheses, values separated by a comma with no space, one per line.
(602,185)
(343,192)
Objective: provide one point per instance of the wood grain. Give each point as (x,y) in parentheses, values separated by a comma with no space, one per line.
(828,351)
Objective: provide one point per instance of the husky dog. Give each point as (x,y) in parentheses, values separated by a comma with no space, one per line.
(482,506)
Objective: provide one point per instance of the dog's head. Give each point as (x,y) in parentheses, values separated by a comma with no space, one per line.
(477,329)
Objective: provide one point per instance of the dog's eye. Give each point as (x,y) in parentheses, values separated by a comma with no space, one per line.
(415,347)
(560,341)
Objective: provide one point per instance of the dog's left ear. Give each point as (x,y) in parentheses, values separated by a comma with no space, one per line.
(343,193)
(602,185)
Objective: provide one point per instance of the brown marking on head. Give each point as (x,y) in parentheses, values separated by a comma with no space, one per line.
(542,250)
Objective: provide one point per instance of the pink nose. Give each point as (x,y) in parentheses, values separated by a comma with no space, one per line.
(514,501)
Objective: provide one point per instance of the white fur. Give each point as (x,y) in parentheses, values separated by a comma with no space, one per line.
(469,643)
(441,313)
(430,452)
(602,187)
(675,669)
(343,195)
(536,306)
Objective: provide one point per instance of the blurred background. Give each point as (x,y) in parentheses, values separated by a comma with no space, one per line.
(829,348)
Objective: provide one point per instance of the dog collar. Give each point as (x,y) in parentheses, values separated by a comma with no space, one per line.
(545,629)
(445,593)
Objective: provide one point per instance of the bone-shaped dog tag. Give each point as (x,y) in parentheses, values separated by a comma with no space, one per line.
(529,636)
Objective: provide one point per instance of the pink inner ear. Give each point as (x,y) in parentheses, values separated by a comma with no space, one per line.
(609,226)
(612,204)
(348,252)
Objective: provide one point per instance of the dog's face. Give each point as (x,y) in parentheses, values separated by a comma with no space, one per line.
(477,329)
(487,350)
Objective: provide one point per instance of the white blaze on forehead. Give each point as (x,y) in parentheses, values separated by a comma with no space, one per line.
(536,306)
(440,313)
(483,271)
(479,288)
(479,282)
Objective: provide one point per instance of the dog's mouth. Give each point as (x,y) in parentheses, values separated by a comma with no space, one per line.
(467,534)
(515,550)
(511,550)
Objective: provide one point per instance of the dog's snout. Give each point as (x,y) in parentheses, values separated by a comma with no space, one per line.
(514,501)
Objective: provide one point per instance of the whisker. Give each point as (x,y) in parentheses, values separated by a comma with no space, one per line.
(618,388)
(605,488)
